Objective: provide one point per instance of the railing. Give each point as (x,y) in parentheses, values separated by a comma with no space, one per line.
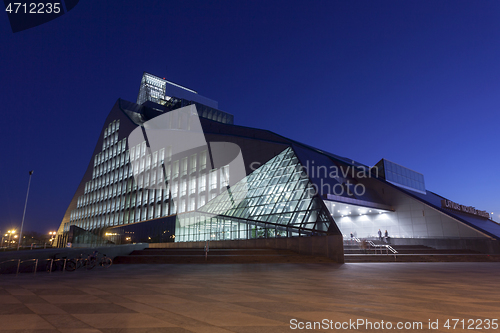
(376,247)
(381,246)
(19,262)
(60,264)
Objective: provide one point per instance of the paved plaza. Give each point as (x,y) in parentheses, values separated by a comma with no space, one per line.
(251,298)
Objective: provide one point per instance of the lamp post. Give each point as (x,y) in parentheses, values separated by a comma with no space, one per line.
(6,240)
(52,237)
(3,236)
(10,234)
(24,213)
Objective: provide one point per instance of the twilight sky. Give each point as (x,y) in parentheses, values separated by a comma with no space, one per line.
(416,82)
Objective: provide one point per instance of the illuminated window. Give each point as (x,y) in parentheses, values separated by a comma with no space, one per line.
(165,209)
(224,181)
(142,165)
(162,156)
(137,151)
(158,210)
(183,187)
(184,166)
(127,201)
(133,199)
(153,178)
(201,201)
(136,168)
(151,196)
(203,160)
(139,198)
(192,186)
(155,159)
(213,179)
(160,176)
(175,169)
(202,182)
(174,189)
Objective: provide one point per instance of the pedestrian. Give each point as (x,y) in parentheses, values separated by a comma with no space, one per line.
(352,238)
(386,236)
(379,234)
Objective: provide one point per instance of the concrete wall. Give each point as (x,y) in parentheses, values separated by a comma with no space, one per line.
(488,246)
(325,246)
(41,254)
(411,218)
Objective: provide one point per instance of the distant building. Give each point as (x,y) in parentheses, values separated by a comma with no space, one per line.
(214,180)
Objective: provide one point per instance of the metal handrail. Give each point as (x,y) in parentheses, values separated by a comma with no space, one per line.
(19,261)
(50,263)
(387,247)
(375,246)
(10,260)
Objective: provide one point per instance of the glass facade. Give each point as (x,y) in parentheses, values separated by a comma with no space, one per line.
(275,200)
(144,190)
(401,176)
(166,93)
(135,185)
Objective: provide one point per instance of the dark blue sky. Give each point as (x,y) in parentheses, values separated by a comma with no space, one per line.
(416,82)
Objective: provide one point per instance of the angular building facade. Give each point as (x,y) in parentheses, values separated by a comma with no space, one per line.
(173,168)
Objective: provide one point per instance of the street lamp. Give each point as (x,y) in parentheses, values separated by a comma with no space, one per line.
(24,213)
(6,238)
(11,233)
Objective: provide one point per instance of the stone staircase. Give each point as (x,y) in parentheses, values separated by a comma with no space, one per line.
(413,253)
(216,256)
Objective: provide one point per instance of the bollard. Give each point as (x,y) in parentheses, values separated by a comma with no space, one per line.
(36,266)
(18,264)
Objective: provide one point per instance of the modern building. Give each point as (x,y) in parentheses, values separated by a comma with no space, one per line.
(172,167)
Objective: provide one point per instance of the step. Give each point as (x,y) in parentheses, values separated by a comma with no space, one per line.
(409,251)
(364,258)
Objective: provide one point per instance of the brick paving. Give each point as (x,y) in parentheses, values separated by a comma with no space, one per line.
(247,298)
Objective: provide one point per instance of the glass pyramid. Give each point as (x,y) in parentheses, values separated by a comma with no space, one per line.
(275,200)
